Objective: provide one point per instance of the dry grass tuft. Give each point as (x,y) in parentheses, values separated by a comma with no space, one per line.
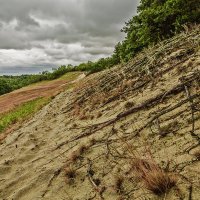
(70,174)
(197,154)
(153,177)
(76,110)
(82,149)
(129,105)
(74,156)
(97,99)
(99,114)
(118,184)
(92,142)
(83,116)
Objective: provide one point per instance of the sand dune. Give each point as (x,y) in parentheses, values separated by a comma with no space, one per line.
(91,127)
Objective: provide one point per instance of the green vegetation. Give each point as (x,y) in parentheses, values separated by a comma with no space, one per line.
(70,76)
(4,86)
(101,64)
(156,20)
(21,112)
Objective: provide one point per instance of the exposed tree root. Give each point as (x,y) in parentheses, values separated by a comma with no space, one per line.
(150,102)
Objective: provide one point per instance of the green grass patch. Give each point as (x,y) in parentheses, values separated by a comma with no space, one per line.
(21,113)
(70,76)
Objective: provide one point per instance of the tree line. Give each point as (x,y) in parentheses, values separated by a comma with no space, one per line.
(10,83)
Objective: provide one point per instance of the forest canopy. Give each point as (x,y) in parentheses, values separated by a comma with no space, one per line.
(156,20)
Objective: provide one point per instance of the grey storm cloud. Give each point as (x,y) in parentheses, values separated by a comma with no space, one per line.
(48,32)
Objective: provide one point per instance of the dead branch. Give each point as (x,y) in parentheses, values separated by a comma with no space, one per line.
(115,97)
(190,192)
(192,112)
(166,111)
(55,175)
(92,181)
(148,103)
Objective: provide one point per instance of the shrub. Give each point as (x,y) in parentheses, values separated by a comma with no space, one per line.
(156,20)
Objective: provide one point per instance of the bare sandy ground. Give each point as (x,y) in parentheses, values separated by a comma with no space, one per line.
(90,129)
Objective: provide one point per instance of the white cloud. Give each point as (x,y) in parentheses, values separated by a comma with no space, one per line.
(49,32)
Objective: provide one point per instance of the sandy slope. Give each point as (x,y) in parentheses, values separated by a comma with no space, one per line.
(33,158)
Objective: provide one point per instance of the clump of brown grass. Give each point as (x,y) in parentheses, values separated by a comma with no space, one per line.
(99,114)
(153,177)
(83,116)
(74,156)
(70,174)
(129,104)
(82,149)
(92,142)
(76,110)
(118,184)
(97,99)
(197,154)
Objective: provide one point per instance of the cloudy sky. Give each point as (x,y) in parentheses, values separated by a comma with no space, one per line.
(36,35)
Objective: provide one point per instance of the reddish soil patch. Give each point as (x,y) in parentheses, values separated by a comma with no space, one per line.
(43,89)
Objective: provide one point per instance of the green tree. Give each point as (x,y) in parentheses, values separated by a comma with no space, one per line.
(157,20)
(4,87)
